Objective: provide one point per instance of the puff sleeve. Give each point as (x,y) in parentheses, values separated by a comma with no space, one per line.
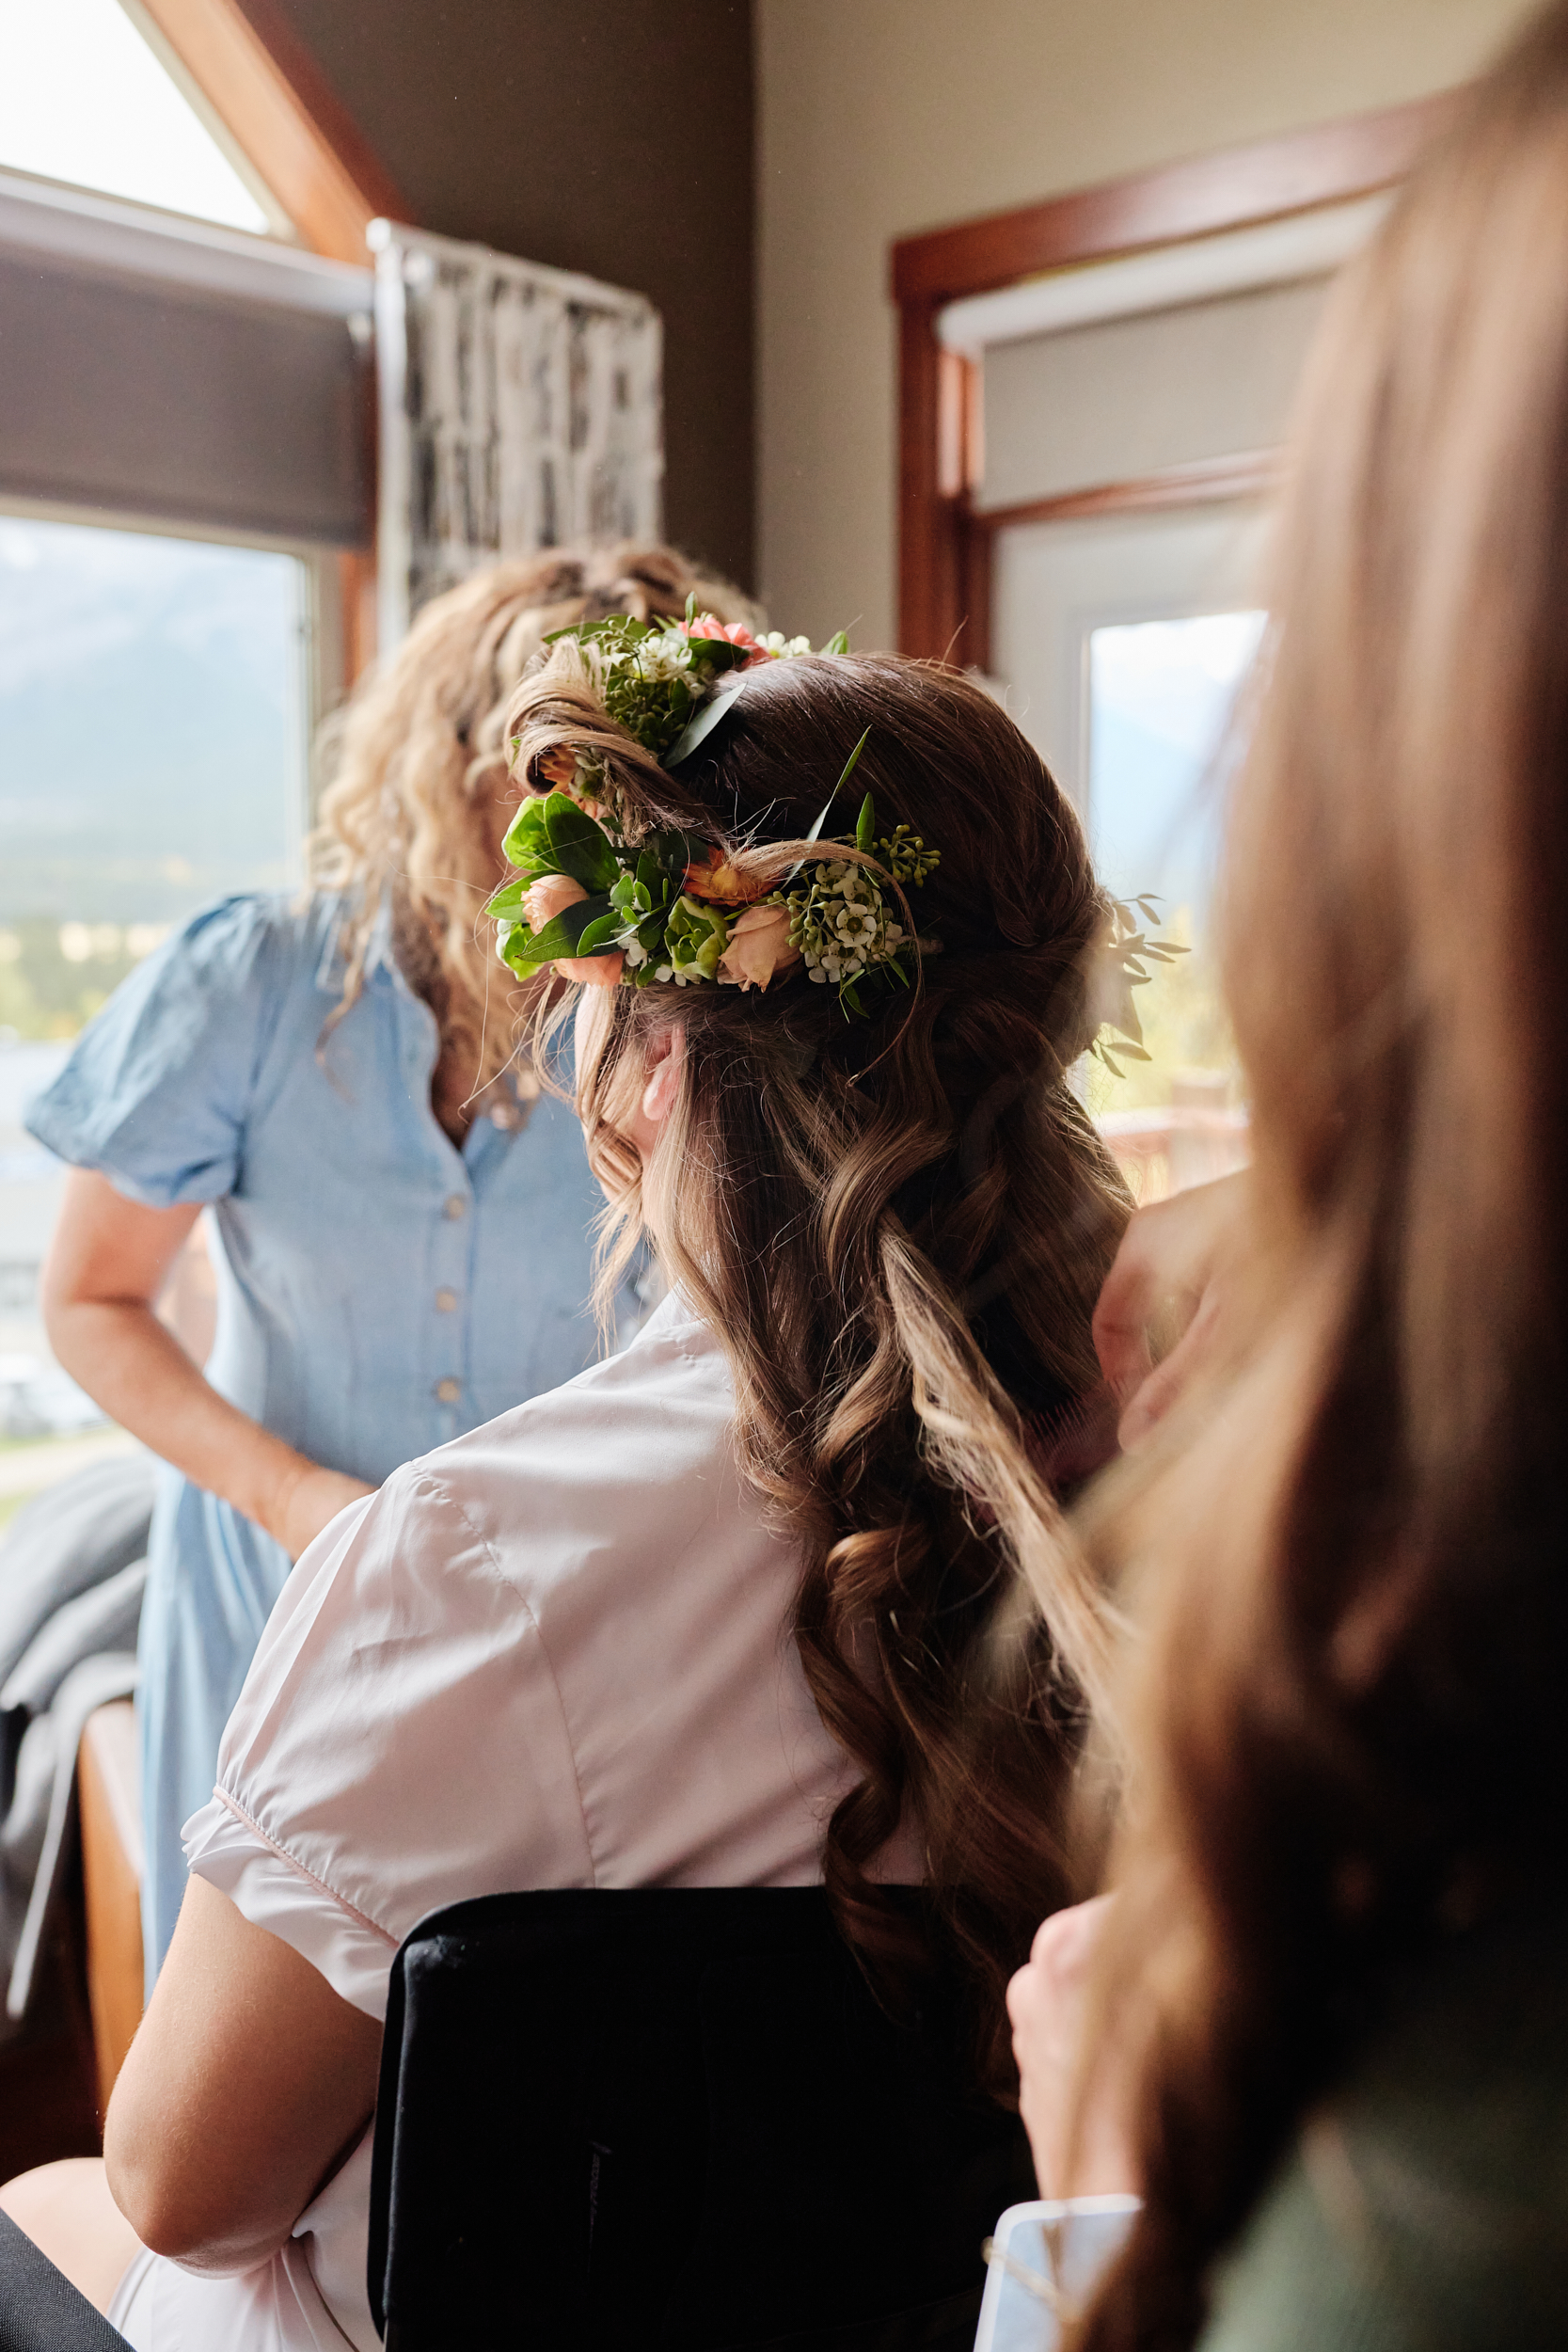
(156,1092)
(399,1743)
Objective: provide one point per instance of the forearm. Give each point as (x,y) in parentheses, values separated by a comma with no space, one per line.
(130,1364)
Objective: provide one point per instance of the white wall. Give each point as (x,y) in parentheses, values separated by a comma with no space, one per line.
(881,117)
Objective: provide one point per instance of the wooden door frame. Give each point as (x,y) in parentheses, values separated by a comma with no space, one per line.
(944,546)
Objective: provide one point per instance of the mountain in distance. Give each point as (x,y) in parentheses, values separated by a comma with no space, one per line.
(148,736)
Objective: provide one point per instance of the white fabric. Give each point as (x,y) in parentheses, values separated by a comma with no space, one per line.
(554,1653)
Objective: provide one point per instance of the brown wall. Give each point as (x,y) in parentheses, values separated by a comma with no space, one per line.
(614,137)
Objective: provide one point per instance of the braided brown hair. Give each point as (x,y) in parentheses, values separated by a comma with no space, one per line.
(898,1228)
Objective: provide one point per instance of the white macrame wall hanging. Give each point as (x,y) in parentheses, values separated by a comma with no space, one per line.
(519,406)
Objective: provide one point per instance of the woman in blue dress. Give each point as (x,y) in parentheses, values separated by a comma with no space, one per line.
(335,1077)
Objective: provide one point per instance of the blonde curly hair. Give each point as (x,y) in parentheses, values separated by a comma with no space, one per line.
(418,791)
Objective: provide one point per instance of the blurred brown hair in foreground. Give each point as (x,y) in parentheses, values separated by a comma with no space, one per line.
(1349,1729)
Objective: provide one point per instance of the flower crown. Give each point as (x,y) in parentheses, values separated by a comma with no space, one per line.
(606,902)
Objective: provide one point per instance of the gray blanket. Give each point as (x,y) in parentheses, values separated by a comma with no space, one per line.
(72,1567)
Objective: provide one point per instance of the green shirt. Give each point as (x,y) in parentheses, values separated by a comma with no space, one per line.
(1425,2207)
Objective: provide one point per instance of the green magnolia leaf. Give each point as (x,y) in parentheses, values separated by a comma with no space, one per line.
(509,897)
(721,653)
(528,840)
(582,848)
(595,934)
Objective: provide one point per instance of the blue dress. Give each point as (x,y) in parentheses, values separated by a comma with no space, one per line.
(379,1290)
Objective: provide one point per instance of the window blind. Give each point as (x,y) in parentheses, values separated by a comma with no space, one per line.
(170,371)
(1121,398)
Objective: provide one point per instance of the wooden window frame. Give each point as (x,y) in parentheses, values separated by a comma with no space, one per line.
(247,73)
(945,545)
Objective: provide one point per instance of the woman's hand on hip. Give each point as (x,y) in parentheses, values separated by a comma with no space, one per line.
(1165,1296)
(108,1260)
(309,1498)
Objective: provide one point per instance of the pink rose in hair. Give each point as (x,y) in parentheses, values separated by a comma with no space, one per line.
(592,971)
(707,624)
(758,947)
(543,900)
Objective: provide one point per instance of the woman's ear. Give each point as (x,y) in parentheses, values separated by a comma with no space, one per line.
(666,1063)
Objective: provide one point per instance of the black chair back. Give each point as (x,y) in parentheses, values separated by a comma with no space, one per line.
(672,2121)
(39,2309)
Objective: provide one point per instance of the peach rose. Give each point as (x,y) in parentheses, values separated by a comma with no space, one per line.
(544,899)
(592,971)
(715,878)
(758,947)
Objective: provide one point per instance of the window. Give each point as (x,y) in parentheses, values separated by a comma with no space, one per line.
(83,99)
(1161,696)
(153,728)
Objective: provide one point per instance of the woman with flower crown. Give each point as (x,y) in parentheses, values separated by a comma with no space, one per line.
(743,1605)
(335,1077)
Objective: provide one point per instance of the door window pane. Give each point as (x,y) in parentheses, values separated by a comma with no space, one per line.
(151,759)
(1161,697)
